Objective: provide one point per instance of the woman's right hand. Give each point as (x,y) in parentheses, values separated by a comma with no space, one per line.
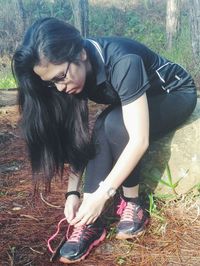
(71,207)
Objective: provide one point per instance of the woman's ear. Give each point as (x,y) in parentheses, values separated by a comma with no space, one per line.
(83,55)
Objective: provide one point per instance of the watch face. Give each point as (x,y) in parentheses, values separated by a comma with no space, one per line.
(111,192)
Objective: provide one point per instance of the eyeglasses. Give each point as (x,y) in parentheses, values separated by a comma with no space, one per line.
(58,80)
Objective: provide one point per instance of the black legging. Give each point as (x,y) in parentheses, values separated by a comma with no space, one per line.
(166,112)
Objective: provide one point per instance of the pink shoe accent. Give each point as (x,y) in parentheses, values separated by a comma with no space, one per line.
(121,207)
(95,243)
(140,214)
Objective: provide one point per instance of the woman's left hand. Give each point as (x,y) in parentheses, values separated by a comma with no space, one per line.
(90,209)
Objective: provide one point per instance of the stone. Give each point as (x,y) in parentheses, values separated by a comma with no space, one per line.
(8,97)
(10,167)
(172,163)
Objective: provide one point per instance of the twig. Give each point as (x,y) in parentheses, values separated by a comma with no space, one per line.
(11,259)
(36,251)
(28,263)
(47,203)
(198,213)
(29,216)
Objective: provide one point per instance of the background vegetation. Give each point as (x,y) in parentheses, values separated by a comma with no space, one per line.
(142,20)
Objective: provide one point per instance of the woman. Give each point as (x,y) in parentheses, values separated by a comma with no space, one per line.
(57,72)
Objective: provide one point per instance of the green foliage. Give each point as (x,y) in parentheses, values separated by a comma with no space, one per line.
(121,260)
(7,82)
(168,181)
(106,21)
(132,22)
(198,187)
(144,21)
(45,8)
(12,27)
(6,79)
(153,210)
(3,193)
(111,233)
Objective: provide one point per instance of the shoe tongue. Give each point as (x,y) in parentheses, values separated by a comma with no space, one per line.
(133,200)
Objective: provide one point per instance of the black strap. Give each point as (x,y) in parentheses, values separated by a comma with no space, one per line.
(67,194)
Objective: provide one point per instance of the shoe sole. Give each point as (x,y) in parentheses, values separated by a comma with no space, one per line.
(94,244)
(124,236)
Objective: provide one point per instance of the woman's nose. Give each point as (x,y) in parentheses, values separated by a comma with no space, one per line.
(60,87)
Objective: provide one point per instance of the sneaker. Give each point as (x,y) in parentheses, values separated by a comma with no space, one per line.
(81,242)
(133,220)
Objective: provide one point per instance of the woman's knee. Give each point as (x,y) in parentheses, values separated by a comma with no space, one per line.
(114,127)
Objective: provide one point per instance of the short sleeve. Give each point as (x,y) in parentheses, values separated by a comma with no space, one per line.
(129,78)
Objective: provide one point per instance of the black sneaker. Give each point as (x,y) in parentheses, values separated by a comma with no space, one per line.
(81,242)
(133,220)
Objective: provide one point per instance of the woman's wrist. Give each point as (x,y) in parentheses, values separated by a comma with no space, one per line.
(109,192)
(73,192)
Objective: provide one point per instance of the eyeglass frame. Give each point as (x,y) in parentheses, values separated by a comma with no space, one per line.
(54,81)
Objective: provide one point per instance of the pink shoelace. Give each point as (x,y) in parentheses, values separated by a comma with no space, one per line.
(121,207)
(75,234)
(54,235)
(125,210)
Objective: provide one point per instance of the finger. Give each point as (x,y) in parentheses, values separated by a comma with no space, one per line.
(66,213)
(76,220)
(69,214)
(85,221)
(70,218)
(92,220)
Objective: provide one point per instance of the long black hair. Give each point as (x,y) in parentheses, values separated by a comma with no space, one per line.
(55,125)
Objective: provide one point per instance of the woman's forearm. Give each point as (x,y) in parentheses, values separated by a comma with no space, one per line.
(74,181)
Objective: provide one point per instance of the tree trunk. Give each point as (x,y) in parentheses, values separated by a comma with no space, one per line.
(172,21)
(194,10)
(80,11)
(22,14)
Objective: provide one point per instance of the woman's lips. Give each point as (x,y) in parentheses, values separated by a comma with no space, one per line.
(74,90)
(70,91)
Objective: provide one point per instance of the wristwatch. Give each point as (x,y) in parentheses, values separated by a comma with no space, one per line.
(109,191)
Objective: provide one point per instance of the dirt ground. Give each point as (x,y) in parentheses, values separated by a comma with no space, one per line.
(27,222)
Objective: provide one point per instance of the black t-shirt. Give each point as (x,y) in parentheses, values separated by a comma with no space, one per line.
(124,69)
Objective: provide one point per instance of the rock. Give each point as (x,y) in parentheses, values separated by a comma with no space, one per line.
(10,167)
(174,160)
(8,97)
(5,136)
(16,208)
